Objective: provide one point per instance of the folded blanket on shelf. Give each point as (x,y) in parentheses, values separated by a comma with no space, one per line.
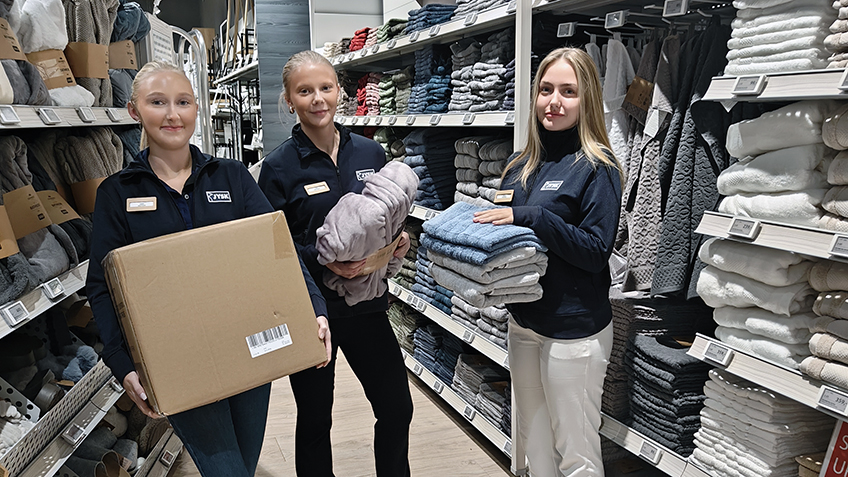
(91,153)
(793,169)
(779,66)
(794,125)
(799,208)
(784,354)
(770,266)
(775,37)
(793,329)
(763,25)
(720,288)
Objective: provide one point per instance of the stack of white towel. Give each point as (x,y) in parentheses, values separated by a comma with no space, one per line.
(762,299)
(782,172)
(772,36)
(829,343)
(331,49)
(748,431)
(837,41)
(480,161)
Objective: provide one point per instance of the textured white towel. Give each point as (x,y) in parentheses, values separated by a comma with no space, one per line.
(818,31)
(792,169)
(801,64)
(835,129)
(827,346)
(788,44)
(796,124)
(773,267)
(794,7)
(799,208)
(780,353)
(837,172)
(834,223)
(835,201)
(763,24)
(830,371)
(719,288)
(793,329)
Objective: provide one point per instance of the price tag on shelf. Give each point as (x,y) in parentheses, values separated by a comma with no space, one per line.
(507,447)
(342,120)
(391,44)
(468,336)
(839,245)
(434,30)
(418,303)
(749,85)
(566,30)
(410,120)
(363,52)
(744,228)
(378,120)
(115,385)
(615,19)
(392,120)
(512,6)
(434,119)
(718,353)
(366,120)
(167,458)
(836,401)
(15,313)
(394,288)
(53,288)
(469,412)
(375,49)
(506,362)
(510,118)
(8,115)
(74,434)
(413,37)
(438,386)
(115,115)
(417,368)
(430,213)
(470,19)
(86,114)
(468,118)
(337,60)
(650,452)
(48,116)
(675,8)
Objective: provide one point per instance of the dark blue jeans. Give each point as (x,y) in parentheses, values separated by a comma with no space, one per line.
(225,438)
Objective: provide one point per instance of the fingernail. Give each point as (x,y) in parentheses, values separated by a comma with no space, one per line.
(143,396)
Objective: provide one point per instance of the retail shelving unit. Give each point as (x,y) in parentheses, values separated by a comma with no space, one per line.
(17,117)
(485,119)
(795,86)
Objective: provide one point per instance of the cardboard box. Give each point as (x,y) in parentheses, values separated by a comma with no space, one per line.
(214,311)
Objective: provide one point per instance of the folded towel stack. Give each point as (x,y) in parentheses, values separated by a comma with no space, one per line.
(431,154)
(491,401)
(829,343)
(747,430)
(509,89)
(392,28)
(484,264)
(772,37)
(387,138)
(344,46)
(406,274)
(427,340)
(472,370)
(666,392)
(405,321)
(837,42)
(465,54)
(425,285)
(468,176)
(386,95)
(835,200)
(810,465)
(372,94)
(499,47)
(371,39)
(488,87)
(403,89)
(348,103)
(431,89)
(359,38)
(362,95)
(331,49)
(493,159)
(782,163)
(427,16)
(490,322)
(464,7)
(447,356)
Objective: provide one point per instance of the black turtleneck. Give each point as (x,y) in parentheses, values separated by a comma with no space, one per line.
(558,144)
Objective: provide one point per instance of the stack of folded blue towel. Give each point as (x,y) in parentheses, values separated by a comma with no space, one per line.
(430,152)
(427,340)
(485,264)
(427,16)
(431,90)
(447,356)
(426,287)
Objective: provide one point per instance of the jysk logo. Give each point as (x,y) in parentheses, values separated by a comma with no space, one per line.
(363,174)
(214,196)
(552,185)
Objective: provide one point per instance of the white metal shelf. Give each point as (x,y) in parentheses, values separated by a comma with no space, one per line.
(788,382)
(478,342)
(36,302)
(652,452)
(28,117)
(472,23)
(249,71)
(486,427)
(484,119)
(792,238)
(791,86)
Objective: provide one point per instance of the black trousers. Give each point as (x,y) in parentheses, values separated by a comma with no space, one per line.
(370,346)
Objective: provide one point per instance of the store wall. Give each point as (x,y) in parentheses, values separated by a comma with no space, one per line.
(334,19)
(398,8)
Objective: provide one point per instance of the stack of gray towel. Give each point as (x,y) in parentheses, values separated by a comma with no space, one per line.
(403,86)
(835,201)
(491,401)
(466,53)
(829,341)
(490,322)
(472,370)
(484,264)
(488,78)
(406,274)
(747,430)
(837,42)
(480,161)
(464,7)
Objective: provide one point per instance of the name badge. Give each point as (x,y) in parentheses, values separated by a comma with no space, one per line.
(316,188)
(141,204)
(503,196)
(552,185)
(363,174)
(217,196)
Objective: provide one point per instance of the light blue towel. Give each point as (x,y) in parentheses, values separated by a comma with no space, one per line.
(474,255)
(456,226)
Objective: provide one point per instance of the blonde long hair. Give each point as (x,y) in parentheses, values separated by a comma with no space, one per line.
(590,125)
(145,71)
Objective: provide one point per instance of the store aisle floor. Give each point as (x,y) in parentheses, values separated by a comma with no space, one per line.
(439,443)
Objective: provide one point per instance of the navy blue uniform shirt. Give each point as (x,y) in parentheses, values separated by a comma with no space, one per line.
(114,227)
(297,164)
(573,207)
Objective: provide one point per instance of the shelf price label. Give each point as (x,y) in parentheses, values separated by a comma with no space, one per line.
(375,49)
(839,246)
(378,120)
(469,412)
(391,44)
(718,353)
(650,452)
(394,288)
(74,434)
(438,386)
(510,118)
(8,115)
(86,114)
(413,37)
(434,119)
(430,213)
(392,120)
(351,56)
(507,447)
(470,19)
(744,228)
(410,120)
(336,60)
(468,336)
(354,120)
(434,30)
(512,6)
(342,120)
(749,85)
(15,313)
(836,401)
(417,368)
(675,8)
(53,288)
(167,458)
(366,120)
(615,19)
(468,118)
(418,303)
(115,115)
(567,29)
(363,52)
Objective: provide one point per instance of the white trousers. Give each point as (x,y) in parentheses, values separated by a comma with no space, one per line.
(557,385)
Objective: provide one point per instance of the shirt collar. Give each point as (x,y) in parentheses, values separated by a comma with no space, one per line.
(305,146)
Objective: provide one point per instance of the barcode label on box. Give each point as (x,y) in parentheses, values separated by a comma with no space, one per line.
(269,340)
(834,400)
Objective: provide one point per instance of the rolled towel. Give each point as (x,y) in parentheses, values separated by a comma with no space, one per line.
(773,267)
(793,169)
(836,201)
(828,275)
(794,329)
(719,288)
(830,325)
(833,304)
(793,125)
(799,208)
(837,171)
(833,222)
(834,130)
(828,371)
(829,347)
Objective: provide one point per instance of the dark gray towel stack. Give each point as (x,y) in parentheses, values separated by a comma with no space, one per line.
(406,275)
(666,392)
(506,413)
(466,53)
(430,153)
(472,370)
(491,399)
(467,163)
(428,16)
(427,340)
(509,90)
(465,7)
(405,321)
(403,84)
(446,357)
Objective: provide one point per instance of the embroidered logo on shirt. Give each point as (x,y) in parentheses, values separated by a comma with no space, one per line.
(214,196)
(361,175)
(552,185)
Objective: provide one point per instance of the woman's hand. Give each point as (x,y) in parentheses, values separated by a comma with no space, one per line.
(346,269)
(501,216)
(402,246)
(324,335)
(133,388)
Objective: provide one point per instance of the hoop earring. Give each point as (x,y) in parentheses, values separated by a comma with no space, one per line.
(291,109)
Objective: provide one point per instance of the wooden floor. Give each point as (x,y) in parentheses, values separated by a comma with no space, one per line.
(442,442)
